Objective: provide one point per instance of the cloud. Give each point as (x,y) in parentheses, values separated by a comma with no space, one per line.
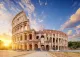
(46,2)
(32,16)
(5,20)
(43,3)
(40,2)
(2,7)
(77,27)
(21,5)
(69,32)
(73,21)
(74,4)
(7,12)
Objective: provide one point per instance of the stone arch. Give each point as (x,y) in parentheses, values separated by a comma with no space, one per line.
(30,47)
(47,47)
(36,46)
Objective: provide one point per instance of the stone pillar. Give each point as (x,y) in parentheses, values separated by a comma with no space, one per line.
(39,46)
(52,42)
(27,36)
(49,46)
(23,37)
(33,46)
(23,46)
(58,43)
(27,46)
(55,42)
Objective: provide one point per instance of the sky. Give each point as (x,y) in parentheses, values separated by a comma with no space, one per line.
(63,15)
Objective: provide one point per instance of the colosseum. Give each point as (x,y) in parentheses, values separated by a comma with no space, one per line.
(25,38)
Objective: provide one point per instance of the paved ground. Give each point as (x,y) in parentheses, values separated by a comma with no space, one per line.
(38,54)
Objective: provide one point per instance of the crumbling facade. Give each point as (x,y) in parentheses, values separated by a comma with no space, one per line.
(25,38)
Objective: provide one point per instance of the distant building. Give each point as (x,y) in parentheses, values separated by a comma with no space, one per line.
(25,38)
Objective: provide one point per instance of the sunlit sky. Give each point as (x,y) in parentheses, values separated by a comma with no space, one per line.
(63,15)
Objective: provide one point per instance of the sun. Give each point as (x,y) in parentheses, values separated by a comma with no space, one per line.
(6,44)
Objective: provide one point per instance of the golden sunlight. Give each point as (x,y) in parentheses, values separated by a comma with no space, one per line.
(7,42)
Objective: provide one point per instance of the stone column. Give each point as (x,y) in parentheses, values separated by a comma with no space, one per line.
(33,46)
(27,36)
(23,46)
(55,42)
(39,46)
(58,43)
(49,46)
(27,46)
(52,42)
(23,37)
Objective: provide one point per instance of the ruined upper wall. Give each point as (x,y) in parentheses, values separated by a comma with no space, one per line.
(20,17)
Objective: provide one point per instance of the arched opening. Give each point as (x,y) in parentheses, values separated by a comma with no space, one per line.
(21,38)
(42,36)
(25,47)
(50,39)
(47,47)
(53,40)
(36,46)
(56,47)
(42,47)
(30,47)
(37,37)
(30,36)
(53,47)
(25,36)
(20,47)
(57,40)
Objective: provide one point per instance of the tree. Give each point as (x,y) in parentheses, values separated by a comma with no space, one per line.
(74,45)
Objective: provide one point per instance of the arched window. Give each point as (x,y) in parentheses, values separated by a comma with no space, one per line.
(53,39)
(36,46)
(47,47)
(53,34)
(47,38)
(21,37)
(37,37)
(30,47)
(57,40)
(25,36)
(42,36)
(30,36)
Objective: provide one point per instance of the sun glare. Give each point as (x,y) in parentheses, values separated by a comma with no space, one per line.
(6,44)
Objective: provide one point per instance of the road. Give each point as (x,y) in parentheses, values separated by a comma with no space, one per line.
(38,54)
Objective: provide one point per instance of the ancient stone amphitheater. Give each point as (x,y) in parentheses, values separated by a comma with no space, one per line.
(25,38)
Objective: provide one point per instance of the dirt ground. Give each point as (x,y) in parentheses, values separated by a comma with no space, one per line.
(10,53)
(66,54)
